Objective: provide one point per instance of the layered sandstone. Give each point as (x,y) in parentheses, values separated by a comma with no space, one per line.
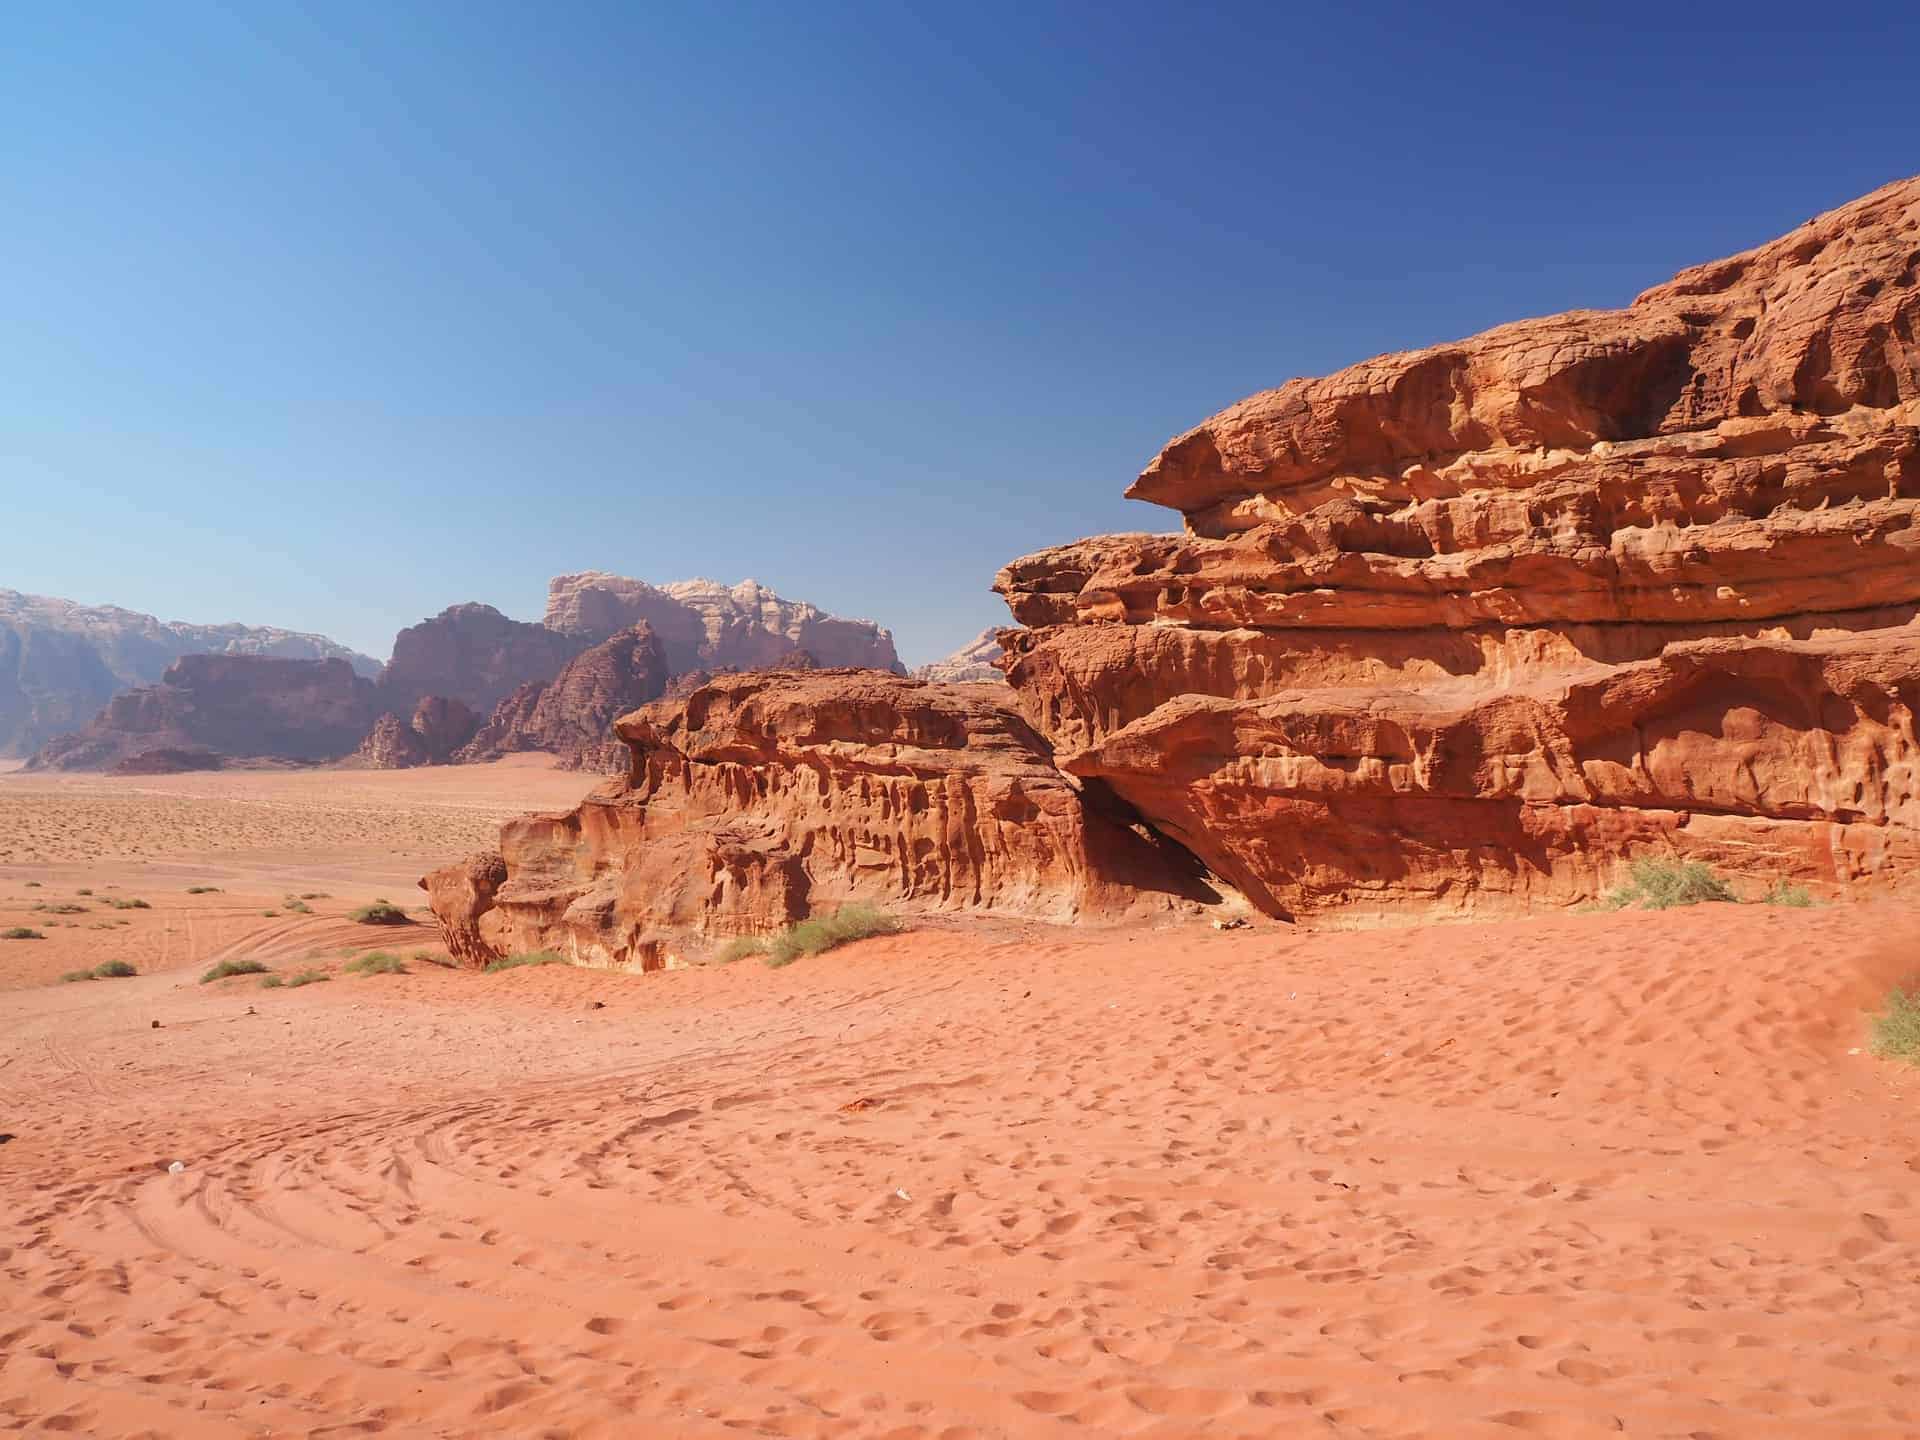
(763,797)
(1462,627)
(229,706)
(572,715)
(706,626)
(438,728)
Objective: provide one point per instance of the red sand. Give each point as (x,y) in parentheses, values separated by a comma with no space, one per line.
(1583,1176)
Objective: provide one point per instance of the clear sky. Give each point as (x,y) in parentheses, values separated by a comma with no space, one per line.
(329,316)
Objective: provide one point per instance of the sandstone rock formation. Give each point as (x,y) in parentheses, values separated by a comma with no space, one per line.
(234,706)
(439,727)
(474,654)
(764,796)
(1460,628)
(60,662)
(572,715)
(974,663)
(712,627)
(1454,630)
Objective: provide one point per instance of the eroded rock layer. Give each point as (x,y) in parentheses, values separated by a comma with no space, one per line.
(1465,626)
(571,717)
(763,797)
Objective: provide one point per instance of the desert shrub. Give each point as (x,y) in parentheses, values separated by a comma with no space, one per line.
(315,895)
(270,914)
(1896,1033)
(531,957)
(114,970)
(128,904)
(1665,884)
(824,932)
(1785,892)
(83,892)
(33,884)
(308,977)
(296,905)
(427,957)
(272,982)
(376,962)
(20,932)
(73,975)
(739,948)
(65,907)
(380,912)
(203,889)
(233,967)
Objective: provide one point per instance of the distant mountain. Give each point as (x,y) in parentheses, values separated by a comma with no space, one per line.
(971,662)
(704,625)
(60,662)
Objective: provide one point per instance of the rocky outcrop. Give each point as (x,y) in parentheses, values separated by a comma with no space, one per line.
(763,797)
(61,662)
(474,654)
(975,663)
(1460,628)
(232,706)
(439,727)
(572,715)
(705,626)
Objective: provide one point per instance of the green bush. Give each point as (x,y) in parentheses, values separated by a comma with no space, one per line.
(128,904)
(1785,892)
(1665,884)
(114,970)
(532,957)
(315,895)
(233,967)
(1896,1033)
(83,892)
(739,948)
(376,962)
(380,912)
(73,975)
(64,908)
(272,982)
(20,932)
(824,932)
(308,977)
(427,957)
(296,905)
(203,889)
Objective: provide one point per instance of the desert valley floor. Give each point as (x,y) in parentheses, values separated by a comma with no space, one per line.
(1577,1175)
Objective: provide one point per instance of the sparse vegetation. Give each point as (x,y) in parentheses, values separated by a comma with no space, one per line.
(427,957)
(294,982)
(296,905)
(531,957)
(128,904)
(1896,1033)
(233,967)
(20,932)
(203,889)
(376,962)
(315,895)
(380,912)
(1666,884)
(739,948)
(73,975)
(65,907)
(270,914)
(114,970)
(824,932)
(1785,892)
(83,892)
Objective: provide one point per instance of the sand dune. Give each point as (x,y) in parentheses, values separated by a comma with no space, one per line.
(1585,1176)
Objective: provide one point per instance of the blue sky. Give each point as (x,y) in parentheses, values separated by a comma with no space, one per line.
(330,316)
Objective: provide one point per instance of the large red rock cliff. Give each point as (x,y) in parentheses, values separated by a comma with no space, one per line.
(571,716)
(1462,627)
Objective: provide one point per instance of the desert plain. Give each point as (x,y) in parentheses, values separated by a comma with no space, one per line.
(1580,1174)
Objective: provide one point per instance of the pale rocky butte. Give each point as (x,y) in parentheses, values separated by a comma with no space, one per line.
(1452,631)
(60,662)
(976,662)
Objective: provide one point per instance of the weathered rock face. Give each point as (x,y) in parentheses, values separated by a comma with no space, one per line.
(473,654)
(60,662)
(1460,628)
(975,663)
(234,706)
(705,626)
(572,716)
(763,797)
(439,727)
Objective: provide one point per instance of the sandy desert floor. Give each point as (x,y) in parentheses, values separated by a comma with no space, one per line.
(1586,1175)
